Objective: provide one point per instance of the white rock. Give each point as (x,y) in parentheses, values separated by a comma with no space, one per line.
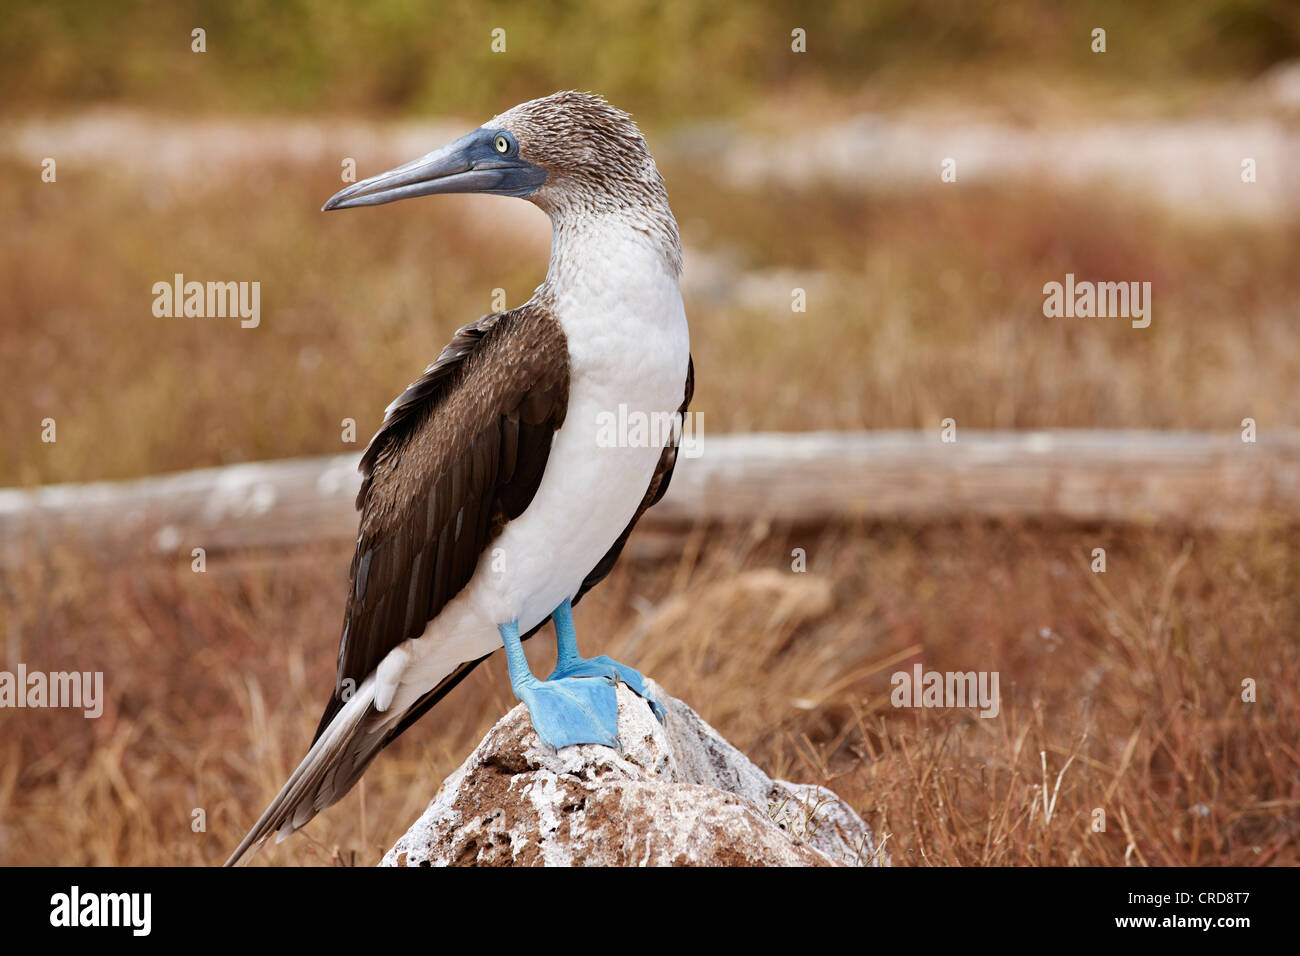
(677,794)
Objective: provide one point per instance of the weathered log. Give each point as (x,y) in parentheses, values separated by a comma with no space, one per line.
(1183,478)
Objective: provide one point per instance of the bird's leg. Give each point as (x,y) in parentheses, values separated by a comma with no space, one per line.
(572,710)
(569,663)
(566,640)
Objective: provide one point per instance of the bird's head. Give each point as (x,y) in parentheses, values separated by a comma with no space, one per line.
(567,151)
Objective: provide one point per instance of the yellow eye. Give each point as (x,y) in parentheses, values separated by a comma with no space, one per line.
(501,144)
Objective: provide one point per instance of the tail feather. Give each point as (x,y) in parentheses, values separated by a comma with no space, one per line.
(340,754)
(333,764)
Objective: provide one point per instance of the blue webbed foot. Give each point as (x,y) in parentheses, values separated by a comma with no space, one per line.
(571,665)
(607,667)
(573,710)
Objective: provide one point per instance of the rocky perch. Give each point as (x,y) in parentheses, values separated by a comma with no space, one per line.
(678,794)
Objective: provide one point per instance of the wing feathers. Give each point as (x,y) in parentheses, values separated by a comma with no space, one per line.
(460,452)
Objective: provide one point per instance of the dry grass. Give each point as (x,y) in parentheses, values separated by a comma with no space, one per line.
(1119,691)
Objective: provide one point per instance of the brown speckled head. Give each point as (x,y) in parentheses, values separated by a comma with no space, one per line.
(585,145)
(595,158)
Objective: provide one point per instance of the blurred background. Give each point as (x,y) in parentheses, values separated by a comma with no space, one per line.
(817,170)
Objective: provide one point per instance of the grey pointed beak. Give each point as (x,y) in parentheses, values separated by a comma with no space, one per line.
(468,165)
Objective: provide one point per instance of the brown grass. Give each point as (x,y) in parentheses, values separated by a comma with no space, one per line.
(1119,691)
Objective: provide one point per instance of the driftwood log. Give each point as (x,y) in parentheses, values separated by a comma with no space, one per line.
(1146,477)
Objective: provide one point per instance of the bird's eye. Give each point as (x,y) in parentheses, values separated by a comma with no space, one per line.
(501,144)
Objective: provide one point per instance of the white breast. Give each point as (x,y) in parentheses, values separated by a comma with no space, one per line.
(622,314)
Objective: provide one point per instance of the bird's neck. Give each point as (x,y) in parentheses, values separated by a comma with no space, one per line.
(615,241)
(611,274)
(633,217)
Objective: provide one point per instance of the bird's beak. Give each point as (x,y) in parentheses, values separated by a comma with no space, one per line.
(469,165)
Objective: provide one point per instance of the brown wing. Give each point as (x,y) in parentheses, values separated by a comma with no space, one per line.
(460,453)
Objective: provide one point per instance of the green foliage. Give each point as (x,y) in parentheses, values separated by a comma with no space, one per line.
(658,57)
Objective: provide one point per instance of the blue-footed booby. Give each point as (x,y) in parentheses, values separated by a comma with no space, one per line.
(490,498)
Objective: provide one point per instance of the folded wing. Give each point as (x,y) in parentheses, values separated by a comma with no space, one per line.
(460,453)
